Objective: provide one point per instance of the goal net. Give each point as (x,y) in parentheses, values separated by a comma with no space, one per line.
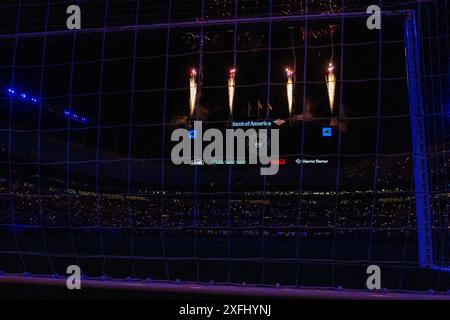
(356,119)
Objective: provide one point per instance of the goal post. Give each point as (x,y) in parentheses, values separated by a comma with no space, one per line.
(419,144)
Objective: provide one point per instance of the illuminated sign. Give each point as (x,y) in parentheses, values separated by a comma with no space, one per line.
(192,134)
(280,162)
(327,132)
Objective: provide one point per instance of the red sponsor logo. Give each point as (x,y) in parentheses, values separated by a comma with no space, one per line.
(280,162)
(279,122)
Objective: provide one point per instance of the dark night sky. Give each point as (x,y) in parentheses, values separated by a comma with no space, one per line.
(129,97)
(72,78)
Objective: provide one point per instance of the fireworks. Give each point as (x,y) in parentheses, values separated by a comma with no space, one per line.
(290,89)
(330,79)
(231,88)
(193,91)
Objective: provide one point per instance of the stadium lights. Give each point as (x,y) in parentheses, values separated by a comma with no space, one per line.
(73,116)
(25,97)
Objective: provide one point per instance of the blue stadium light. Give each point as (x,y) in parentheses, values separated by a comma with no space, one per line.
(23,95)
(75,117)
(34,100)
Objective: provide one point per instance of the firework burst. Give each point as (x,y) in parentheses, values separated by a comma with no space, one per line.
(193,91)
(290,89)
(330,79)
(231,88)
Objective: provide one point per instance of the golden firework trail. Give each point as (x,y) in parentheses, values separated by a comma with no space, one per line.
(330,78)
(231,88)
(193,91)
(290,89)
(259,107)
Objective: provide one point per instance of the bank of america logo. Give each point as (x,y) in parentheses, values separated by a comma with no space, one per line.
(279,122)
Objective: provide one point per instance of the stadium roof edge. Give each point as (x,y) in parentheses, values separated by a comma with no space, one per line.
(209,22)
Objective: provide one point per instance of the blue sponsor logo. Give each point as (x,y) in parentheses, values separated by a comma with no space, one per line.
(327,132)
(192,134)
